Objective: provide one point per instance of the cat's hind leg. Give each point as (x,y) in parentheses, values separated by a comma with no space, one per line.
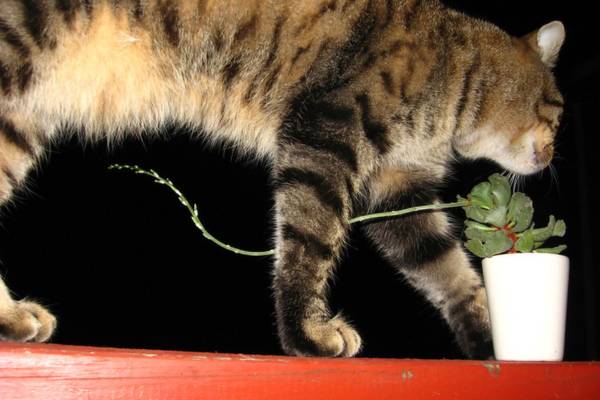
(19,147)
(426,250)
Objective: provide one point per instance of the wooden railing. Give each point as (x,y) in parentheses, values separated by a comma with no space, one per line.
(55,372)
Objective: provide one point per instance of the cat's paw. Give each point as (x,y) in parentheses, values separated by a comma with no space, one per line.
(331,338)
(26,321)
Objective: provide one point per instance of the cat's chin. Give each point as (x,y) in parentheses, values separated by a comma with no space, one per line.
(524,168)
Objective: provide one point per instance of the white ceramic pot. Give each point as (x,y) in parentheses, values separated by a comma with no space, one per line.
(527,298)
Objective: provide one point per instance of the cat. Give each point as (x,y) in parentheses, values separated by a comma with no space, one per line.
(359,106)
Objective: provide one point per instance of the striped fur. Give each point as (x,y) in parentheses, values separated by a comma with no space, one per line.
(349,99)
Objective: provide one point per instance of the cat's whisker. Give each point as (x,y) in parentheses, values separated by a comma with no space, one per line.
(515,180)
(554,176)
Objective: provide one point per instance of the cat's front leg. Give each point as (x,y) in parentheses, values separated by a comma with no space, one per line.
(312,198)
(426,250)
(23,320)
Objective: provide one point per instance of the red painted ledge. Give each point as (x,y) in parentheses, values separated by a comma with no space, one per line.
(55,372)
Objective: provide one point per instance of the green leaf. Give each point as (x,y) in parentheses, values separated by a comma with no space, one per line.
(497,217)
(560,229)
(520,212)
(543,234)
(475,233)
(501,191)
(526,243)
(554,228)
(476,213)
(476,247)
(552,250)
(497,243)
(481,195)
(477,225)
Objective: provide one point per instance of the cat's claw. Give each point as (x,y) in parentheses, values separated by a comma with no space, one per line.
(333,338)
(26,321)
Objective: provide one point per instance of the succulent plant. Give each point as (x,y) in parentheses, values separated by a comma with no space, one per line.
(499,221)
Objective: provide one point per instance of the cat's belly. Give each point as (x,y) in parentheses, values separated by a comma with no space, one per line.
(224,114)
(110,81)
(99,77)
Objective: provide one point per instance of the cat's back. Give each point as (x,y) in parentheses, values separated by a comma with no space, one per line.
(226,66)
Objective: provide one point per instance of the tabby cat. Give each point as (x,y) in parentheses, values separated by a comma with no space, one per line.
(359,105)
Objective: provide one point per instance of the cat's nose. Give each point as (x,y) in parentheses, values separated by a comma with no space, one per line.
(543,154)
(543,144)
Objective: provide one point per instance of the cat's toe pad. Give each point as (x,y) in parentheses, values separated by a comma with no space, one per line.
(26,321)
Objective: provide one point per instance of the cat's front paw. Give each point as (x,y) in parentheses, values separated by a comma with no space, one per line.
(26,321)
(327,338)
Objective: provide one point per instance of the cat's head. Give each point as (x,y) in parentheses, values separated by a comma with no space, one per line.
(521,112)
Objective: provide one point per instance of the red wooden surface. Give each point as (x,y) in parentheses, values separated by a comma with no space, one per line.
(48,372)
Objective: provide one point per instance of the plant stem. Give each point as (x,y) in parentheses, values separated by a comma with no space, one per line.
(398,213)
(193,210)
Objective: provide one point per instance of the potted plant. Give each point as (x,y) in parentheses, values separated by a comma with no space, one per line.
(526,283)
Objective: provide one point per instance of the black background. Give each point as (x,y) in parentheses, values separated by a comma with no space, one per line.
(119,262)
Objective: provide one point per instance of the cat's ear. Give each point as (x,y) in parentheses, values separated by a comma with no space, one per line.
(547,41)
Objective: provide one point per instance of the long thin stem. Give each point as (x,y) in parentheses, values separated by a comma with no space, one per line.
(398,213)
(193,210)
